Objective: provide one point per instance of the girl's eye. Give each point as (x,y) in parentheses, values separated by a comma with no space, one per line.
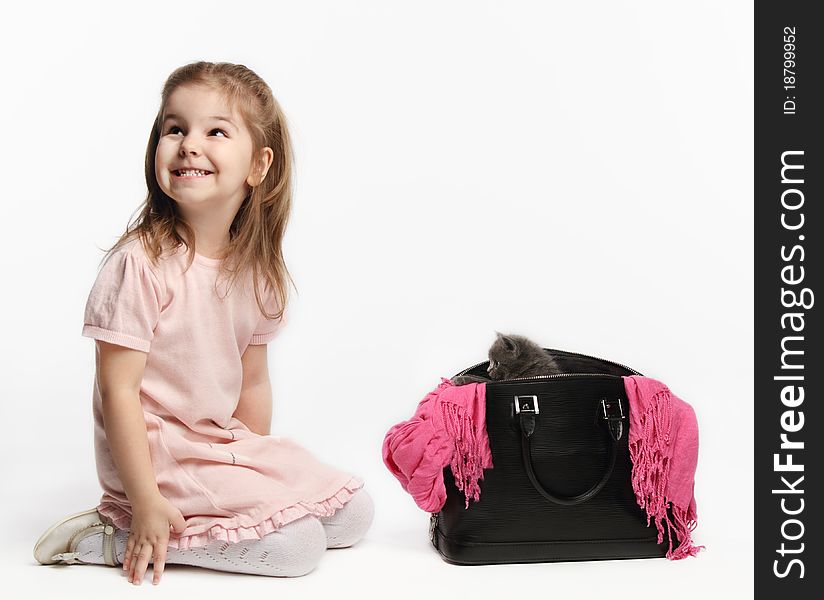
(175,127)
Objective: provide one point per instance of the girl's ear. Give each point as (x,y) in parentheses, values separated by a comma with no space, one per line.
(259,171)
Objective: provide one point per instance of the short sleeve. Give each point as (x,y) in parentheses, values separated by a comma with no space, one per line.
(124,304)
(267,329)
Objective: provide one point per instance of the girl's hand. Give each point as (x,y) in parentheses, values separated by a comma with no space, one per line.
(149,537)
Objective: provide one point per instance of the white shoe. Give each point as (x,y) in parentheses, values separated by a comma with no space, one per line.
(59,543)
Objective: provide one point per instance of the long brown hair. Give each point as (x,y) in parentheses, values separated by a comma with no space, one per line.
(256,233)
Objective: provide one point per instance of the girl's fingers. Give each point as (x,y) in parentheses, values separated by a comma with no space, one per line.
(133,560)
(127,555)
(159,563)
(142,563)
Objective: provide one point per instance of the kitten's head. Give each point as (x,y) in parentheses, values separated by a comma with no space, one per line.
(510,355)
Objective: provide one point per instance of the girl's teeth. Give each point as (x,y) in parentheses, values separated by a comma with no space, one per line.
(192,173)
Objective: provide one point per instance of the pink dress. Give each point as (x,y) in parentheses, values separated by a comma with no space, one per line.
(230,483)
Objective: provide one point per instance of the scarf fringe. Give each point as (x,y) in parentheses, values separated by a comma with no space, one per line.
(471,456)
(650,476)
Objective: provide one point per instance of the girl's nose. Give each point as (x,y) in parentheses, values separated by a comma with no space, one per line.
(188,146)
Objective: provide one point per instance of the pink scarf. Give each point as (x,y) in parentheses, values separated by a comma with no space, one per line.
(663,446)
(448,428)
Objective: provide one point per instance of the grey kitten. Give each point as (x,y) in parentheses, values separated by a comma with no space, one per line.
(512,356)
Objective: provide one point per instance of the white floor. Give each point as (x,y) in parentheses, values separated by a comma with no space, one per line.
(394,559)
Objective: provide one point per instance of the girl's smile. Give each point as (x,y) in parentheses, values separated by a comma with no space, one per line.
(183,174)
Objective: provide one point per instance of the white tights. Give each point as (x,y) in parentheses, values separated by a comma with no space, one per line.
(291,551)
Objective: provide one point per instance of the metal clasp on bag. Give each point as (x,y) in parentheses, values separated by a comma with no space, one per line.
(526,404)
(613,413)
(433,523)
(526,411)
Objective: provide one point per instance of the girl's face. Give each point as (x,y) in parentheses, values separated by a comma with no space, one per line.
(201,133)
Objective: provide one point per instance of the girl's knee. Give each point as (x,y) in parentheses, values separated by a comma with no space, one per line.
(350,523)
(303,543)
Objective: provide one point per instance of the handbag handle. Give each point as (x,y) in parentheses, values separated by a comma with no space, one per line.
(526,409)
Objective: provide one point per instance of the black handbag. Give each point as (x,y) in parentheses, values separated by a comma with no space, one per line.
(560,488)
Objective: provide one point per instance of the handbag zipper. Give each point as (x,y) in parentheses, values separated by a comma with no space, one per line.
(557,376)
(633,371)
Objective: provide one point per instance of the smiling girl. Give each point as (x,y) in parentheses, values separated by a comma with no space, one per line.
(181,311)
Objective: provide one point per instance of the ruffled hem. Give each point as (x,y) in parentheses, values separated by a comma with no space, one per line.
(325,508)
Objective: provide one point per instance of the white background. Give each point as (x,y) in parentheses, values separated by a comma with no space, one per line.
(580,173)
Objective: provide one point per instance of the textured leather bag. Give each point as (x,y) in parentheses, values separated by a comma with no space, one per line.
(561,488)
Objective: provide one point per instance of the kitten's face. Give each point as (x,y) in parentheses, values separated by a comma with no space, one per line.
(503,355)
(511,356)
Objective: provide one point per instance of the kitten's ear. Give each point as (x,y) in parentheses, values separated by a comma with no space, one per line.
(508,342)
